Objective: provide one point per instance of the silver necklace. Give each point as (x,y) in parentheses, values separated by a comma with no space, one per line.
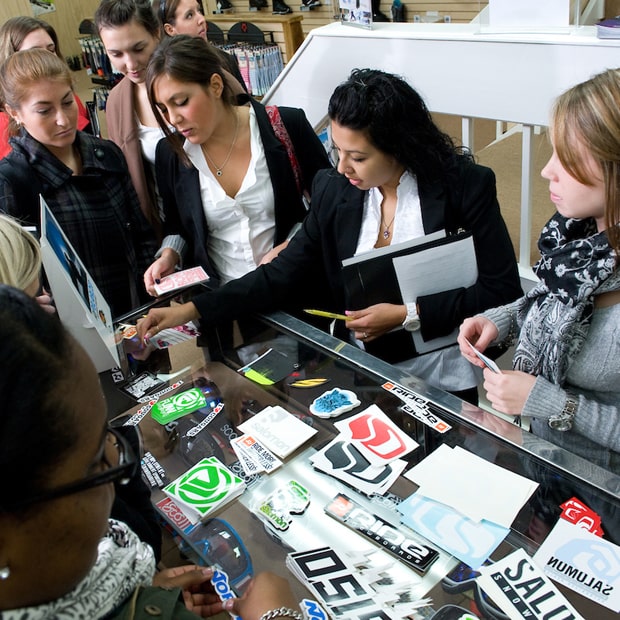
(219,169)
(386,229)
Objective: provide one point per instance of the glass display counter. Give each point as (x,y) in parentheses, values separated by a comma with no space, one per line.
(309,363)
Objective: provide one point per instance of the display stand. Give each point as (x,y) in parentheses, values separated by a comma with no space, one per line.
(287,31)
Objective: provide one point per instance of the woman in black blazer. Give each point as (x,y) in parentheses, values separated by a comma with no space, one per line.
(399,177)
(232,180)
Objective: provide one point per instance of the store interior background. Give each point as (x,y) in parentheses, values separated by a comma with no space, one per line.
(496,145)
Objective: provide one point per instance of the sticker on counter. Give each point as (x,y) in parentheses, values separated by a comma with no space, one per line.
(374,528)
(139,415)
(277,507)
(176,406)
(578,513)
(157,395)
(154,473)
(143,384)
(278,430)
(309,383)
(192,432)
(377,437)
(585,563)
(418,407)
(521,590)
(205,487)
(174,515)
(342,459)
(255,450)
(470,541)
(333,403)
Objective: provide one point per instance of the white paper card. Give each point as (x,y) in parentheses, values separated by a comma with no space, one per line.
(476,488)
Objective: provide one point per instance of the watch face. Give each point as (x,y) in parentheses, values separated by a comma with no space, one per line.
(412,325)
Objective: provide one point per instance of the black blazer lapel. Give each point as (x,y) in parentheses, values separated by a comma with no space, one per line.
(433,202)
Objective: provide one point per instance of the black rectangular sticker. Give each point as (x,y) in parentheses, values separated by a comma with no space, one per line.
(385,535)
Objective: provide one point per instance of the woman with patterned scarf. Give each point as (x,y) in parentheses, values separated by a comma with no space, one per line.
(566,375)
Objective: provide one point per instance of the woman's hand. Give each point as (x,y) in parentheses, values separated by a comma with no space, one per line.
(508,391)
(46,301)
(199,595)
(163,318)
(273,253)
(374,321)
(265,592)
(481,332)
(163,266)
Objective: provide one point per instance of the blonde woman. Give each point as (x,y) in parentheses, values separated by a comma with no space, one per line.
(20,261)
(566,367)
(83,179)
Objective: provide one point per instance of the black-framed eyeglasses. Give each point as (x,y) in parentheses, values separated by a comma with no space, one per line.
(121,471)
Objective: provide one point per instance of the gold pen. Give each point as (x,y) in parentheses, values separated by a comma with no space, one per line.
(328,315)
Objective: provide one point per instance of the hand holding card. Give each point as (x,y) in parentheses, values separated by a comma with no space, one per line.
(488,362)
(181,279)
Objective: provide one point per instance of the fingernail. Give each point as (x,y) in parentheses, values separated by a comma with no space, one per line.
(228,604)
(157,280)
(207,572)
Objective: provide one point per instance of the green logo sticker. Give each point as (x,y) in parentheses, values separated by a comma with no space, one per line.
(205,486)
(178,405)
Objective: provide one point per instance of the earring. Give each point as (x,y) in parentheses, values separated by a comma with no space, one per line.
(5,573)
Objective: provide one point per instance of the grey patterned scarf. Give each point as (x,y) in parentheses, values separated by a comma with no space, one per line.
(123,563)
(555,315)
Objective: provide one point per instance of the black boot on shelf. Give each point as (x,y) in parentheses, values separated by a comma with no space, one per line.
(377,15)
(223,6)
(256,5)
(309,4)
(280,8)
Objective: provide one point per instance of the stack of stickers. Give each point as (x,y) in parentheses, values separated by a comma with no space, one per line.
(270,435)
(350,585)
(205,488)
(367,452)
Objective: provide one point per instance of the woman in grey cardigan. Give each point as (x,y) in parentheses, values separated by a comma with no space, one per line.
(566,375)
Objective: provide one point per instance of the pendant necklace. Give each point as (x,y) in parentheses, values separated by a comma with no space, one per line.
(219,169)
(386,229)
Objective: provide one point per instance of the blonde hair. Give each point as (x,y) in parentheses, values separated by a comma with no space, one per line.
(20,254)
(586,119)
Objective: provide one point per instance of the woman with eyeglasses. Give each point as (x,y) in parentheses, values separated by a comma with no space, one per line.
(61,556)
(24,33)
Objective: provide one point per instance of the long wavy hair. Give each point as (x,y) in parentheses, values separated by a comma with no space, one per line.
(395,120)
(586,119)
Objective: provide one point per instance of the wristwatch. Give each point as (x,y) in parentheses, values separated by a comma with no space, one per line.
(412,320)
(563,421)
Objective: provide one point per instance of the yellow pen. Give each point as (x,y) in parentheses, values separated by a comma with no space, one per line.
(328,315)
